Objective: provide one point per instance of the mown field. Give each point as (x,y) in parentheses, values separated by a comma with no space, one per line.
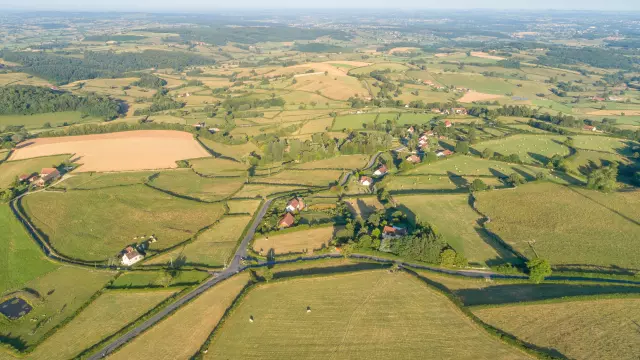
(295,242)
(233,151)
(214,247)
(10,170)
(109,219)
(62,292)
(97,321)
(302,177)
(181,334)
(22,259)
(243,206)
(596,329)
(373,314)
(264,190)
(92,181)
(458,223)
(565,225)
(218,167)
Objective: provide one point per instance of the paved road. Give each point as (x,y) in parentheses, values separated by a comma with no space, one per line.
(232,269)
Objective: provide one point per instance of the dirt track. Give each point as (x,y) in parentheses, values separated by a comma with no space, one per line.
(123,151)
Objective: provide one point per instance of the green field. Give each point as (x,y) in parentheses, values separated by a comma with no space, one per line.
(61,293)
(90,181)
(533,149)
(596,329)
(110,218)
(237,152)
(218,167)
(264,190)
(476,82)
(82,331)
(181,334)
(454,218)
(214,247)
(349,162)
(564,225)
(373,314)
(188,183)
(353,121)
(243,206)
(601,143)
(157,278)
(37,121)
(302,177)
(22,259)
(10,170)
(365,70)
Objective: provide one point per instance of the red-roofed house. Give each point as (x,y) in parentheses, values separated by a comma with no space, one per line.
(589,128)
(286,221)
(393,232)
(295,204)
(382,170)
(413,159)
(365,181)
(447,123)
(47,175)
(440,153)
(131,256)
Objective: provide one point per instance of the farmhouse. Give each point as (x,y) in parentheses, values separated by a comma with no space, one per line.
(25,177)
(199,125)
(589,128)
(295,204)
(445,152)
(410,130)
(131,256)
(447,123)
(365,181)
(413,159)
(286,221)
(214,130)
(46,175)
(393,232)
(459,111)
(382,170)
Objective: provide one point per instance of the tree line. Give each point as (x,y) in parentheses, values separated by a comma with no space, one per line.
(63,69)
(28,100)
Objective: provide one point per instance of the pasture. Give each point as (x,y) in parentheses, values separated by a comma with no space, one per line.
(564,225)
(264,190)
(111,218)
(365,70)
(295,242)
(218,167)
(181,334)
(98,321)
(90,180)
(38,121)
(476,82)
(10,170)
(185,182)
(302,177)
(458,223)
(349,162)
(61,293)
(243,206)
(354,121)
(214,247)
(145,279)
(316,126)
(122,151)
(372,314)
(589,329)
(533,149)
(364,206)
(22,259)
(237,152)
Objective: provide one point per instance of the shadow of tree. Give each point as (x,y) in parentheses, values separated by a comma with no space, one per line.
(457,180)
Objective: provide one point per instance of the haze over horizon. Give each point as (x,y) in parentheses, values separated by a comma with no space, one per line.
(202,5)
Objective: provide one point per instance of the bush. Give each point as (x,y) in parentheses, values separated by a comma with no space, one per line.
(538,270)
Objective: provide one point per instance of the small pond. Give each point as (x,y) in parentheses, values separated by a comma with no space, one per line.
(15,308)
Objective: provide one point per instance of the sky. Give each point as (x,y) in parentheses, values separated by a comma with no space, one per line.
(212,5)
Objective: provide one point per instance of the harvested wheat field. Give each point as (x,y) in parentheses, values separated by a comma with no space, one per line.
(485,55)
(122,151)
(295,242)
(472,96)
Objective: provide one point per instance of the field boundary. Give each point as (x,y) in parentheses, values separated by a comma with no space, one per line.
(564,299)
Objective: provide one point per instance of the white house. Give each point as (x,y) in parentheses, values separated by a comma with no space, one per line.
(131,256)
(365,181)
(382,170)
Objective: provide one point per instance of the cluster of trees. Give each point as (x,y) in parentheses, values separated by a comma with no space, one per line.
(606,59)
(604,178)
(160,102)
(27,100)
(319,48)
(150,81)
(63,69)
(248,103)
(509,64)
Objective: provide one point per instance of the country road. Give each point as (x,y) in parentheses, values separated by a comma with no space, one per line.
(231,270)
